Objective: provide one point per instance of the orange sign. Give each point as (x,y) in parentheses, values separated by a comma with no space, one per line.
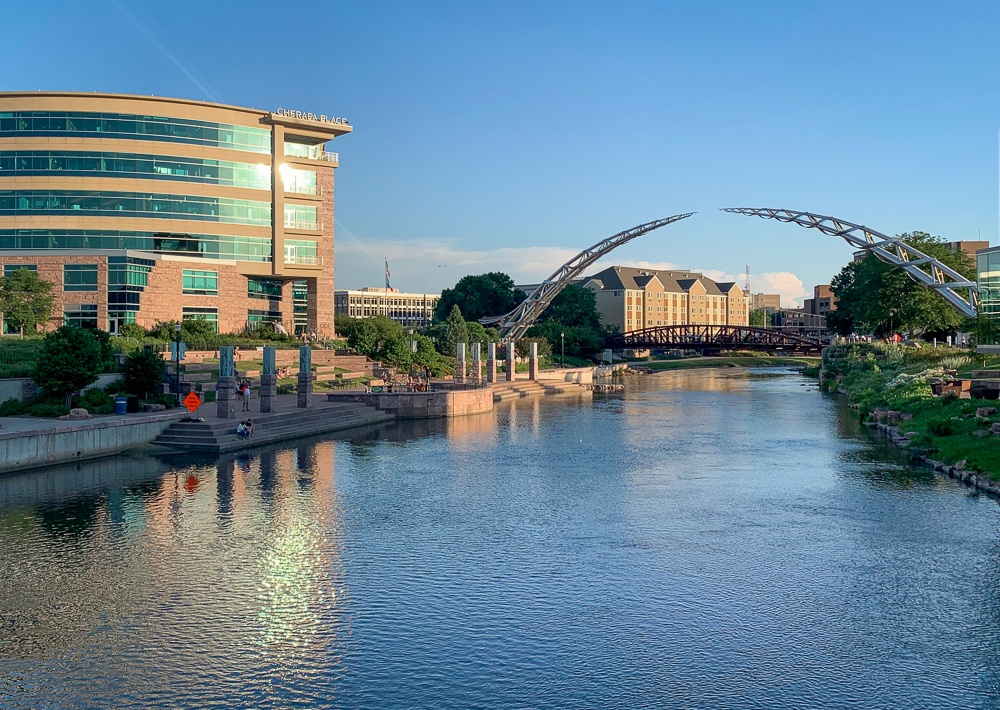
(192,402)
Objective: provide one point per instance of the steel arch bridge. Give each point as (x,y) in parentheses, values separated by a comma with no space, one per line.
(513,325)
(960,292)
(714,337)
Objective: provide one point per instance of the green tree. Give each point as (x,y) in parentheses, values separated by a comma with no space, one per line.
(574,306)
(455,331)
(26,300)
(882,299)
(363,338)
(144,371)
(522,347)
(70,359)
(760,318)
(491,294)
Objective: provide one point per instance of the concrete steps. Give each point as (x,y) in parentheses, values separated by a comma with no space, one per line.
(506,391)
(220,434)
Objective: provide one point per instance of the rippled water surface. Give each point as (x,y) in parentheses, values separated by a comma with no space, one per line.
(713,539)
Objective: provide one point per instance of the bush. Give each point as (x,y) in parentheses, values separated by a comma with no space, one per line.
(144,371)
(167,400)
(12,407)
(49,408)
(95,401)
(115,386)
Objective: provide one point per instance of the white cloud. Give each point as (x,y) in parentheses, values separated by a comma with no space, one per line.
(784,283)
(432,265)
(429,265)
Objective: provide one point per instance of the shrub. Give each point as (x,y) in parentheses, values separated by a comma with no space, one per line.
(144,371)
(49,408)
(12,407)
(115,386)
(95,401)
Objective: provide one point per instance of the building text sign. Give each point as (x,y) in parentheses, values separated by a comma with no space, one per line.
(321,118)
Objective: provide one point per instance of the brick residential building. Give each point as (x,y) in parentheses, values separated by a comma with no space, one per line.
(141,208)
(633,299)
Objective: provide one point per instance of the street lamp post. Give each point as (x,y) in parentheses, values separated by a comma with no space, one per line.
(177,359)
(413,350)
(562,350)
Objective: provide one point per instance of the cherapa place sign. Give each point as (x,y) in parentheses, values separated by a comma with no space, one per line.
(320,118)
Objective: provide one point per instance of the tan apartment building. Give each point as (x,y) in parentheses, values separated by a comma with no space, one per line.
(142,209)
(633,299)
(767,301)
(411,310)
(822,302)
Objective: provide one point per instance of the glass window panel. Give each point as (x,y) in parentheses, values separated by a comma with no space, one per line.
(80,277)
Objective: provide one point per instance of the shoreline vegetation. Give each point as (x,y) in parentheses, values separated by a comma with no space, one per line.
(736,360)
(892,387)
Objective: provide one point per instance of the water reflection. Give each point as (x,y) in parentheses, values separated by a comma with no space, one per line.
(713,539)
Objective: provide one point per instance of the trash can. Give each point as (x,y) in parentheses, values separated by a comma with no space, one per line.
(133,405)
(121,403)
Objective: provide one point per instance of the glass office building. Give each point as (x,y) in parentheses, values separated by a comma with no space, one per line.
(141,208)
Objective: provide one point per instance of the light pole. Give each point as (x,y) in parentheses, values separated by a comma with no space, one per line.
(177,359)
(562,350)
(413,350)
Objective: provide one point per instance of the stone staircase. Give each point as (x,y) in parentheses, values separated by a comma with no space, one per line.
(218,435)
(504,391)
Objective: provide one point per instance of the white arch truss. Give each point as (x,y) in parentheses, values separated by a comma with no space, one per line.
(956,289)
(513,325)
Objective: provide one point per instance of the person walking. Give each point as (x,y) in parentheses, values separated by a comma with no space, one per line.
(245,391)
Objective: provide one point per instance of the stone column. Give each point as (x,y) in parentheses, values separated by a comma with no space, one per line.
(305,388)
(511,373)
(268,381)
(460,363)
(477,363)
(532,361)
(491,363)
(225,393)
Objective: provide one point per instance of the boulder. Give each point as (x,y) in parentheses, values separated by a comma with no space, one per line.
(892,417)
(78,413)
(985,411)
(995,428)
(905,416)
(153,408)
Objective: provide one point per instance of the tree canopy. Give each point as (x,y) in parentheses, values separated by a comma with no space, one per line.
(26,300)
(491,294)
(70,359)
(572,323)
(879,298)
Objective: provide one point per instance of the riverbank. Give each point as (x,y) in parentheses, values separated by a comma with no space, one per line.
(892,387)
(728,361)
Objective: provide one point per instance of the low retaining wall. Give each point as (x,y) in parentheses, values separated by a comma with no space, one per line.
(79,441)
(425,405)
(577,375)
(24,388)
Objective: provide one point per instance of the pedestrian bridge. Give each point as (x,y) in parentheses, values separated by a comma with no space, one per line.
(715,338)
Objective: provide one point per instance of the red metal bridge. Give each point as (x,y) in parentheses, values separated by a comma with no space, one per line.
(715,338)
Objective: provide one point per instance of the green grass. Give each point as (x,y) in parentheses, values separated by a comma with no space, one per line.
(738,361)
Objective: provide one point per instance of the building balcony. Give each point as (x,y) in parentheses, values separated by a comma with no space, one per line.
(304,189)
(329,157)
(303,225)
(303,260)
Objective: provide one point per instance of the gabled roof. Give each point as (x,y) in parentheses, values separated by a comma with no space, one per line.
(630,278)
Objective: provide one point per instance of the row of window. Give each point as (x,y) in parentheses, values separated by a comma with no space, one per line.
(134,127)
(209,246)
(138,165)
(133,204)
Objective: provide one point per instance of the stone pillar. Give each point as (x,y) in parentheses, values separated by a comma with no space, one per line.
(477,363)
(491,363)
(305,388)
(268,381)
(511,374)
(532,361)
(225,393)
(460,363)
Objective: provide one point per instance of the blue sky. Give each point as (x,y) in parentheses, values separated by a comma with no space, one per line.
(511,135)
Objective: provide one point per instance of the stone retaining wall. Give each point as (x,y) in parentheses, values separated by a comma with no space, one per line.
(76,442)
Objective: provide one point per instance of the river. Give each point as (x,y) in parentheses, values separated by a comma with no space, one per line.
(713,538)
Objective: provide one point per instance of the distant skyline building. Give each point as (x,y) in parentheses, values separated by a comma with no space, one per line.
(769,301)
(633,298)
(822,302)
(142,209)
(411,310)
